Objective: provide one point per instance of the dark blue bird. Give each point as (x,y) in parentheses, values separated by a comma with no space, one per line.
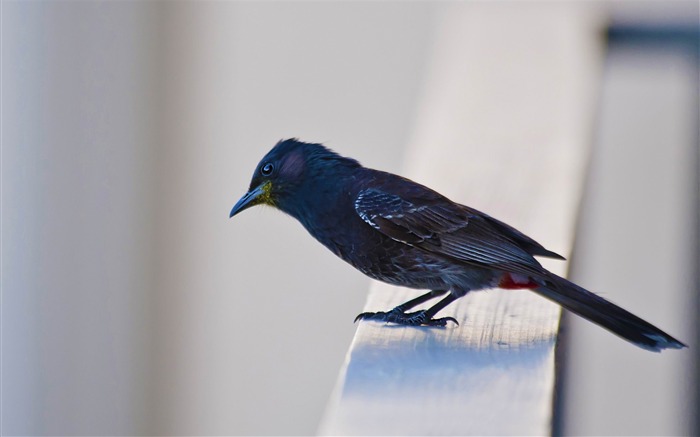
(403,233)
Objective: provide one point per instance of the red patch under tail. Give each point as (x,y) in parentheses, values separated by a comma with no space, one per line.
(514,281)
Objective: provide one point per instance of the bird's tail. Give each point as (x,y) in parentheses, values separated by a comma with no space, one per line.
(606,314)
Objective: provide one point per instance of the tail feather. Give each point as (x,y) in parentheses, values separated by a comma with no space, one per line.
(594,308)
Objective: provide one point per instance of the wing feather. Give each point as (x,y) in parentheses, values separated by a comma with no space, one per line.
(432,222)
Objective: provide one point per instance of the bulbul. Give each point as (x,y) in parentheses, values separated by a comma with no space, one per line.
(400,232)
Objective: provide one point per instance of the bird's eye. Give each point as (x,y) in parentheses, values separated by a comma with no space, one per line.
(266,169)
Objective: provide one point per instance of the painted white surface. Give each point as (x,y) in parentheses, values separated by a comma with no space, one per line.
(254,315)
(502,127)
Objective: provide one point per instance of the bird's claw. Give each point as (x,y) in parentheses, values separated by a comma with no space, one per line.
(417,318)
(379,316)
(442,321)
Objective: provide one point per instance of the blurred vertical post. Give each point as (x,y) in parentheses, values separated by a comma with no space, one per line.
(77,134)
(637,236)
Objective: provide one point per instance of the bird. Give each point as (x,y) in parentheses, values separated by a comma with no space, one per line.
(400,232)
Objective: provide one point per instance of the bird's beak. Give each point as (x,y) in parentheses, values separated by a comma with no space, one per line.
(251,198)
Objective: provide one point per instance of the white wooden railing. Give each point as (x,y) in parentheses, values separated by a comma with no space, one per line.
(495,374)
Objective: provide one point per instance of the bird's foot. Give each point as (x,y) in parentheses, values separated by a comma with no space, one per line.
(397,316)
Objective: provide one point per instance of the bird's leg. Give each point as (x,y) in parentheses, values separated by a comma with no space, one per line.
(419,300)
(399,315)
(430,312)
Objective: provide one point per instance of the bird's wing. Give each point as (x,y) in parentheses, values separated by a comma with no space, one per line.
(432,222)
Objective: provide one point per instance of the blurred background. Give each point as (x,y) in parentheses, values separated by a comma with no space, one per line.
(132,305)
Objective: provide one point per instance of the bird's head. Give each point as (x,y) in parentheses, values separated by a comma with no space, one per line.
(290,170)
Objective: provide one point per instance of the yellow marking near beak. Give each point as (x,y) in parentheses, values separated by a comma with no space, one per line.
(266,196)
